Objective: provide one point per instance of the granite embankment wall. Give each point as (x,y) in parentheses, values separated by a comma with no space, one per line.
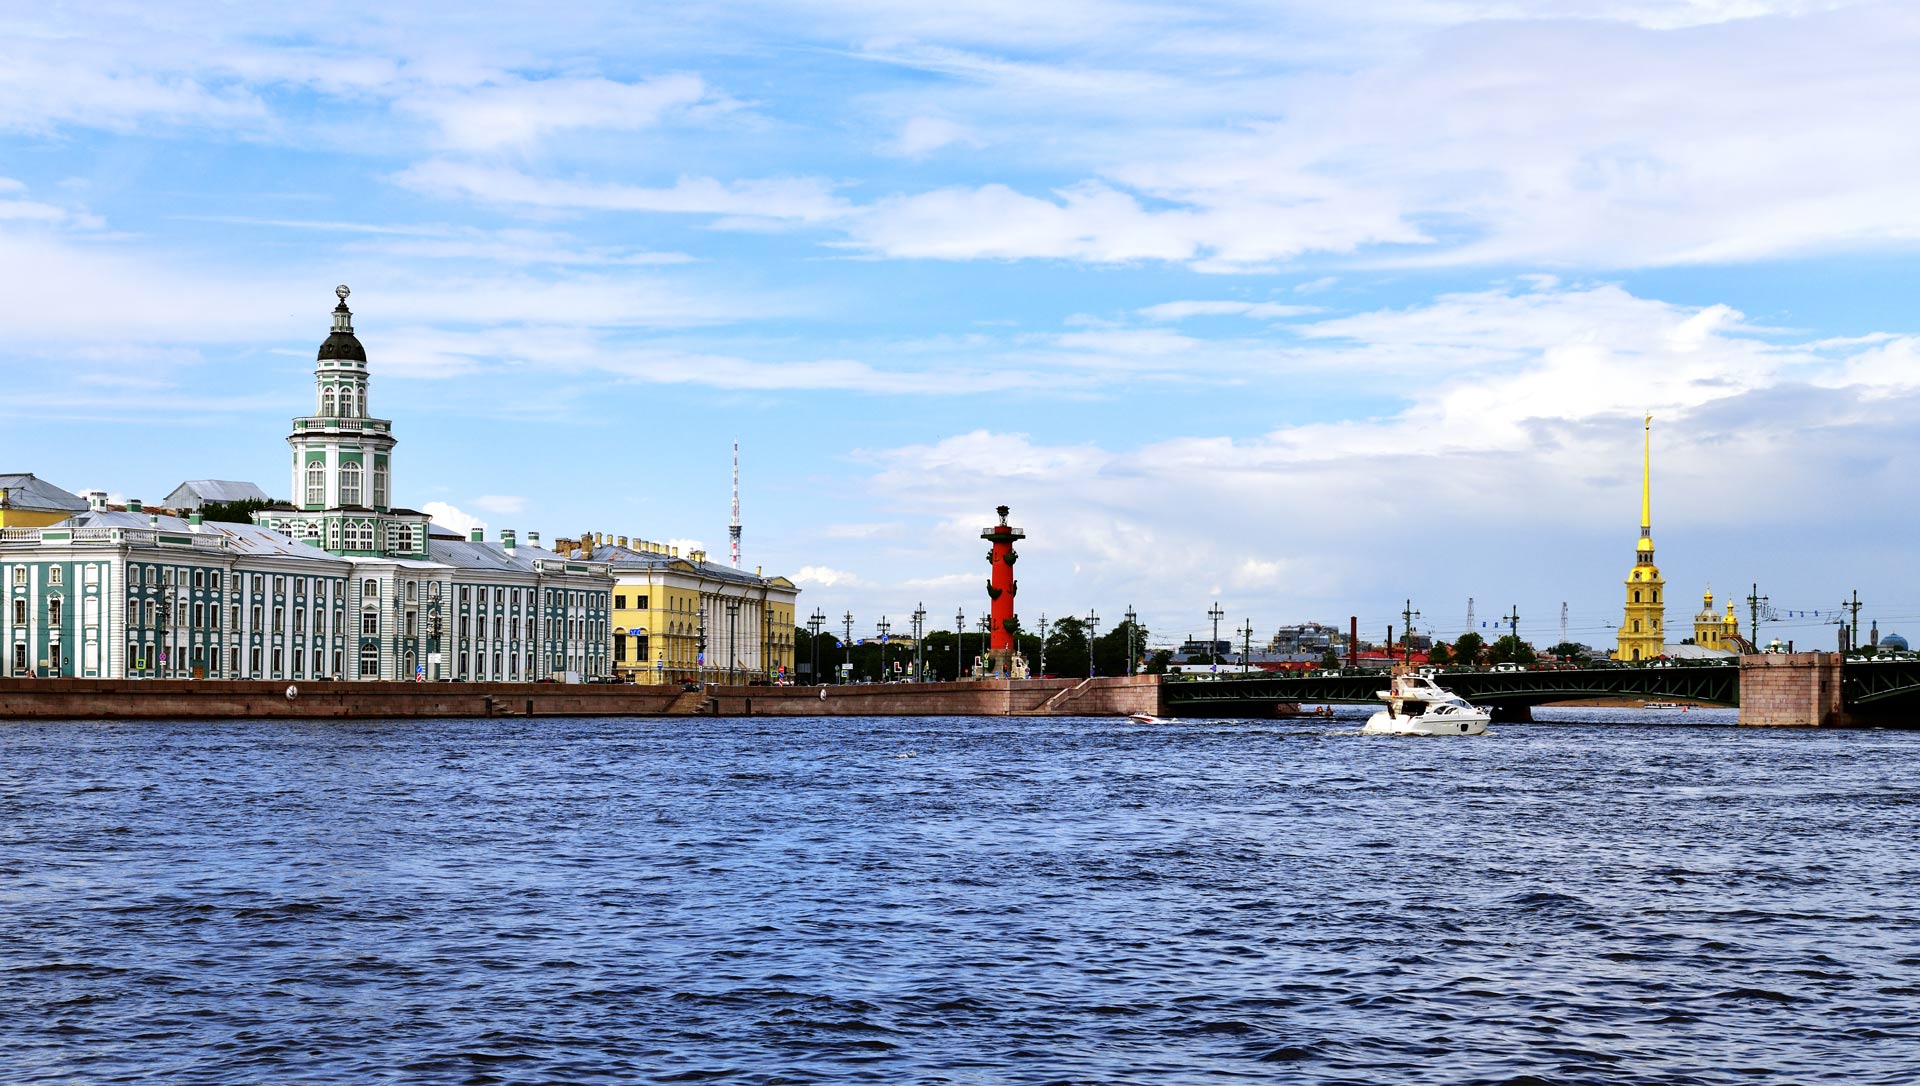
(1107,696)
(1796,689)
(108,699)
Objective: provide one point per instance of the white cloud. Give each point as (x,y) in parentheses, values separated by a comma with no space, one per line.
(923,135)
(1520,420)
(452,518)
(778,199)
(515,113)
(501,503)
(825,577)
(1179,311)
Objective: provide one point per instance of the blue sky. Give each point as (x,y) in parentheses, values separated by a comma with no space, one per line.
(1306,308)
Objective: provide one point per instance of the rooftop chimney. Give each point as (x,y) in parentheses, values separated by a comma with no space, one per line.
(133,505)
(477,535)
(533,538)
(194,519)
(507,538)
(623,541)
(97,500)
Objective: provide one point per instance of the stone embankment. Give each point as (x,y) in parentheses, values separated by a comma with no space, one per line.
(117,699)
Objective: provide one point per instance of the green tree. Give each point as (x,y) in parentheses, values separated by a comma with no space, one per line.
(1067,648)
(1110,649)
(1157,663)
(1331,661)
(1511,650)
(1466,648)
(1439,655)
(240,512)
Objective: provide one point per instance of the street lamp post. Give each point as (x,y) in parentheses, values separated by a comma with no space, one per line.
(1246,645)
(883,626)
(1406,632)
(986,628)
(847,642)
(814,622)
(1133,625)
(700,660)
(919,650)
(1093,620)
(959,641)
(1043,643)
(1213,647)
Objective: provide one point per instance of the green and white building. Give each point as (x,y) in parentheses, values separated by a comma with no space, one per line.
(342,585)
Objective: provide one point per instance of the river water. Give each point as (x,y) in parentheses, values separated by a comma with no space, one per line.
(957,901)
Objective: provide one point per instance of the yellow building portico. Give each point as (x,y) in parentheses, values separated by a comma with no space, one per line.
(1643,633)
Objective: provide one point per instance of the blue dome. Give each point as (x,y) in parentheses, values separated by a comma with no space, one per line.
(1893,642)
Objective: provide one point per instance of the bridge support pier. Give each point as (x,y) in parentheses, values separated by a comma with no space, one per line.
(1513,714)
(1792,690)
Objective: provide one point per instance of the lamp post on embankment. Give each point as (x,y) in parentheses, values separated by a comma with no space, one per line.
(959,641)
(814,622)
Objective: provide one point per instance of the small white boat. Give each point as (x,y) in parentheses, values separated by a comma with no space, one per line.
(1416,705)
(1148,718)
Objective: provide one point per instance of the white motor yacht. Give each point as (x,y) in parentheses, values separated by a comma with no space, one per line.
(1416,705)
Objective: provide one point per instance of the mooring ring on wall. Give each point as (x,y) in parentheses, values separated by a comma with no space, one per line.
(292,692)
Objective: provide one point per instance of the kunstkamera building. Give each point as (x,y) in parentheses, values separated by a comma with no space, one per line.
(340,585)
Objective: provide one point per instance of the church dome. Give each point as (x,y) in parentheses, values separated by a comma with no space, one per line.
(1893,642)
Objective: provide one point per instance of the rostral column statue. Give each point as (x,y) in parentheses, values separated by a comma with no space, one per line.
(1003,651)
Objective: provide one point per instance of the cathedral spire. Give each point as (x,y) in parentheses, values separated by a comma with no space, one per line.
(1646,485)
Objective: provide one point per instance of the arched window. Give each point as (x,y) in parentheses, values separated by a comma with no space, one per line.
(350,484)
(1636,595)
(1636,625)
(380,485)
(316,484)
(327,401)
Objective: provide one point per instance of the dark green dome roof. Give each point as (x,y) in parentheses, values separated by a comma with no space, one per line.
(342,344)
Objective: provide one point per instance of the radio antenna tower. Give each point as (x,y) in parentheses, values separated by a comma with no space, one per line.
(733,528)
(1563,622)
(1469,614)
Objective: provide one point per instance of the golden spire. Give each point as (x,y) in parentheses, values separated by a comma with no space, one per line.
(1646,485)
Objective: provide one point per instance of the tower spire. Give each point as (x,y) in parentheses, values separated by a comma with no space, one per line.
(733,528)
(1646,485)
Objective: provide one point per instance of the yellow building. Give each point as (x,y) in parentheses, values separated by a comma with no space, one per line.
(1642,633)
(666,606)
(27,501)
(1712,631)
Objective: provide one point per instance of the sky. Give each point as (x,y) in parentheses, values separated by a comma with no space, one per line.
(1310,310)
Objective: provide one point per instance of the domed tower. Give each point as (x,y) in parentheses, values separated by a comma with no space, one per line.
(1706,625)
(1643,633)
(343,460)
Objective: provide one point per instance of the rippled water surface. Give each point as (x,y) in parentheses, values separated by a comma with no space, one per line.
(957,901)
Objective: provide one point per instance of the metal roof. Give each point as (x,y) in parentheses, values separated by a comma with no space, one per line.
(24,490)
(221,490)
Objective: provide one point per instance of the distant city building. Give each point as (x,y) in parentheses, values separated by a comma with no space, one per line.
(667,606)
(198,493)
(1194,647)
(27,501)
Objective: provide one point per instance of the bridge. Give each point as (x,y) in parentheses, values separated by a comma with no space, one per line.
(1510,694)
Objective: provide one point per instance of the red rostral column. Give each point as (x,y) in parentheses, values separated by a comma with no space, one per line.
(1001,588)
